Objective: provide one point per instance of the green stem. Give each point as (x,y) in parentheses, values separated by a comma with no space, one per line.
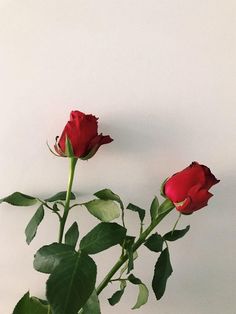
(176,223)
(166,207)
(68,196)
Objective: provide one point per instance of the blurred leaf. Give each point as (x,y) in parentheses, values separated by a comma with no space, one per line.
(115,298)
(154,208)
(72,235)
(162,272)
(48,257)
(102,237)
(124,268)
(60,196)
(142,296)
(140,211)
(71,284)
(176,234)
(134,280)
(104,210)
(128,246)
(55,207)
(143,291)
(19,199)
(31,305)
(154,243)
(107,194)
(92,306)
(31,229)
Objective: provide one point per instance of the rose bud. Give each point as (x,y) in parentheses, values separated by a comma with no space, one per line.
(80,137)
(188,189)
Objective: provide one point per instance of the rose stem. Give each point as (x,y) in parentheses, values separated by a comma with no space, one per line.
(68,197)
(168,207)
(176,223)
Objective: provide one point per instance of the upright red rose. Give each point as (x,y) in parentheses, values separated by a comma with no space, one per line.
(188,189)
(82,132)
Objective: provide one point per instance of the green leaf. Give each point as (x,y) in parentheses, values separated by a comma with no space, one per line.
(61,196)
(162,272)
(176,234)
(154,208)
(31,305)
(154,243)
(125,267)
(107,194)
(48,257)
(128,246)
(31,229)
(141,212)
(19,199)
(143,291)
(71,284)
(72,235)
(92,306)
(142,296)
(134,280)
(165,207)
(102,237)
(104,210)
(115,298)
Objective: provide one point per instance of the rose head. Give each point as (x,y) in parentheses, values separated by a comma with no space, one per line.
(188,189)
(81,132)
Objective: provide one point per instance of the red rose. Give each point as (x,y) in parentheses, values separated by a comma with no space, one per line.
(188,189)
(82,132)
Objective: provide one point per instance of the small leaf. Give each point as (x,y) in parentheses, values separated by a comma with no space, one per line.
(72,235)
(55,207)
(61,196)
(142,296)
(32,226)
(176,234)
(102,237)
(143,291)
(92,306)
(162,272)
(154,208)
(71,284)
(19,199)
(140,211)
(134,280)
(104,210)
(107,194)
(128,246)
(154,243)
(115,298)
(31,305)
(48,257)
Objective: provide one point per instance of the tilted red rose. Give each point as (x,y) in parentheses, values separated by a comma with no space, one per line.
(188,189)
(82,131)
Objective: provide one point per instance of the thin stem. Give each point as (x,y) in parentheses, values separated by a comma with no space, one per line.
(68,196)
(176,223)
(76,205)
(168,206)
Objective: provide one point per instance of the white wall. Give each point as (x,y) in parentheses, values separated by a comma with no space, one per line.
(161,76)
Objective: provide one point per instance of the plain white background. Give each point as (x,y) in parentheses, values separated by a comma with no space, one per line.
(161,77)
